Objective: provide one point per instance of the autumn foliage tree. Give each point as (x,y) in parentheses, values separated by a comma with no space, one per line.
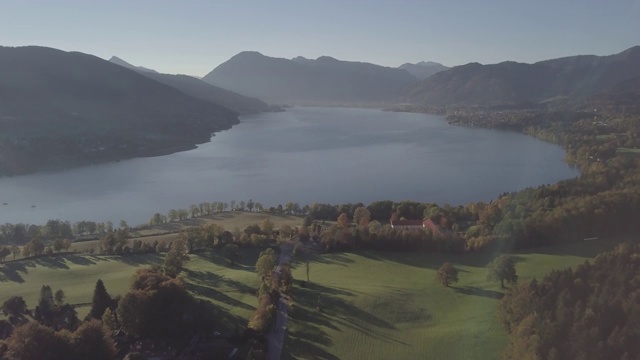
(447,275)
(502,268)
(590,312)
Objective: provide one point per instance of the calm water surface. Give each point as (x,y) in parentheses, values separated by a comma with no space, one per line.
(304,155)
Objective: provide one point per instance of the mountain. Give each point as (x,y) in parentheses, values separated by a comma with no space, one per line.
(61,109)
(423,70)
(118,61)
(575,76)
(623,97)
(301,81)
(202,90)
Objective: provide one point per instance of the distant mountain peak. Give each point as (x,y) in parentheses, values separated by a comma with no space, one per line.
(118,61)
(303,81)
(423,69)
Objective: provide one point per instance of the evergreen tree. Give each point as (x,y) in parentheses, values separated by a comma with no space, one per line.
(101,301)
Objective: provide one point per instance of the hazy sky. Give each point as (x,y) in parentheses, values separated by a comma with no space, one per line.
(192,37)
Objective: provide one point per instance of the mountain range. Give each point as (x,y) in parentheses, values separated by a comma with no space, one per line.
(423,69)
(512,82)
(61,109)
(301,81)
(201,90)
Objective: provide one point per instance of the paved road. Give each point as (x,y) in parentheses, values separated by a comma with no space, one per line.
(276,335)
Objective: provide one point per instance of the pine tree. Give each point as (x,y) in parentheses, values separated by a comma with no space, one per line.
(101,301)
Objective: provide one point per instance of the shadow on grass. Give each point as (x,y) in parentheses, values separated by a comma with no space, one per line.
(247,261)
(208,278)
(470,290)
(52,262)
(213,294)
(297,347)
(308,338)
(428,260)
(141,259)
(589,249)
(11,271)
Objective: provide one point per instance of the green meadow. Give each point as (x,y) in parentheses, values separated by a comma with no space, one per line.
(207,275)
(372,305)
(376,305)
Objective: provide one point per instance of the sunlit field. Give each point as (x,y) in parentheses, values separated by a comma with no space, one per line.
(208,276)
(378,305)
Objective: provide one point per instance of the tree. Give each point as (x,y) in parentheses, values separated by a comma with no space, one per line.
(34,341)
(101,301)
(46,305)
(343,221)
(502,268)
(66,244)
(4,252)
(361,216)
(232,253)
(250,205)
(59,297)
(14,307)
(289,207)
(58,245)
(92,340)
(266,262)
(267,227)
(15,250)
(109,320)
(447,274)
(123,224)
(176,257)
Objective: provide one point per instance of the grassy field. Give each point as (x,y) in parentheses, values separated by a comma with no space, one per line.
(387,305)
(207,276)
(229,220)
(629,151)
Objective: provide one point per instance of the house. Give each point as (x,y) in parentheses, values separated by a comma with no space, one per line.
(414,224)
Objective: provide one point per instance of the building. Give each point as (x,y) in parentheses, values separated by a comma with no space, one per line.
(414,224)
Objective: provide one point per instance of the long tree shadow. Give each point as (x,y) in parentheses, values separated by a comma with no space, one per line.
(298,347)
(209,278)
(470,290)
(52,262)
(81,260)
(11,271)
(246,262)
(141,259)
(213,294)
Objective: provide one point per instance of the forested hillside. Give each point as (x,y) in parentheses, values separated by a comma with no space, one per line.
(60,109)
(512,82)
(202,90)
(591,312)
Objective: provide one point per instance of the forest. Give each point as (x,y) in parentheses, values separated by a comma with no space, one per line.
(591,312)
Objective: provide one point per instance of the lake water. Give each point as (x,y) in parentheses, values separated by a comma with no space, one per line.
(303,155)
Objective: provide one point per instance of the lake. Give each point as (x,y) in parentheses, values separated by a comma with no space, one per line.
(303,155)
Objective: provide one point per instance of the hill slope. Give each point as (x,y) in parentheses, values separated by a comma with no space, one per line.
(574,76)
(61,109)
(300,81)
(423,70)
(201,90)
(116,60)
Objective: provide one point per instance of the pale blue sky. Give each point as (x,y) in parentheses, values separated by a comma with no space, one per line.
(193,37)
